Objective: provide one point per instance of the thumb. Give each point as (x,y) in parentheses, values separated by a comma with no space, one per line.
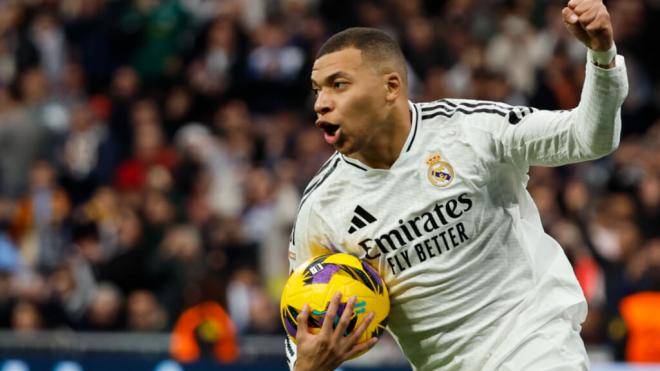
(569,16)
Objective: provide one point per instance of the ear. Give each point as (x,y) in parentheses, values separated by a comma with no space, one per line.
(393,86)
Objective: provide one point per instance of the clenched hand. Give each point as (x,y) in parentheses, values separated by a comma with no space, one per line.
(589,22)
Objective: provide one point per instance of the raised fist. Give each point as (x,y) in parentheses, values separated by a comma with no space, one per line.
(589,22)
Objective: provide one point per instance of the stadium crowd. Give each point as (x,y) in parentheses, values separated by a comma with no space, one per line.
(153,152)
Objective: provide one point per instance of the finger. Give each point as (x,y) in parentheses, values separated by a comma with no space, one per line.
(569,17)
(345,318)
(572,24)
(302,318)
(589,16)
(586,6)
(357,334)
(330,314)
(359,348)
(597,24)
(572,4)
(601,21)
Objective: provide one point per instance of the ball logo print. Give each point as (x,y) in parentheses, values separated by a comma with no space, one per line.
(316,281)
(440,173)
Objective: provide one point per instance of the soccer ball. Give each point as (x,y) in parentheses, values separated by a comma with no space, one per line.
(317,280)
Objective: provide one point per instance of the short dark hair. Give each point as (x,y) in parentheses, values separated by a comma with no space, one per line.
(376,45)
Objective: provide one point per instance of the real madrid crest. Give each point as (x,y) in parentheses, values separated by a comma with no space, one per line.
(440,173)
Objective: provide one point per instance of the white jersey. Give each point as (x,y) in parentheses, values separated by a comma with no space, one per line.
(452,229)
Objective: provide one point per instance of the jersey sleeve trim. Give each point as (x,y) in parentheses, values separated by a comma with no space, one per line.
(415,123)
(449,107)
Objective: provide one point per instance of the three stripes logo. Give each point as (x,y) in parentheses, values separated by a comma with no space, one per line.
(361,218)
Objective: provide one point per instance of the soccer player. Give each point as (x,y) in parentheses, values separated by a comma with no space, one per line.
(433,195)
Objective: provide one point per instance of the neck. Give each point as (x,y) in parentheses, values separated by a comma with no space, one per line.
(387,145)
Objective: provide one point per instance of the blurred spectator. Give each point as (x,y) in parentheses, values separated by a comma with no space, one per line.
(43,109)
(26,317)
(250,13)
(144,313)
(274,65)
(219,69)
(264,314)
(511,52)
(73,289)
(215,185)
(273,265)
(124,91)
(47,35)
(124,265)
(39,219)
(205,330)
(177,110)
(163,30)
(21,141)
(104,311)
(153,153)
(422,47)
(17,51)
(93,30)
(10,261)
(178,266)
(149,149)
(81,151)
(639,314)
(241,292)
(259,187)
(72,89)
(638,310)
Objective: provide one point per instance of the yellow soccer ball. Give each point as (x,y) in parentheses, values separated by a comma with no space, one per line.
(316,281)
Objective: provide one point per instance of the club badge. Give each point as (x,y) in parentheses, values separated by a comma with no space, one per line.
(440,173)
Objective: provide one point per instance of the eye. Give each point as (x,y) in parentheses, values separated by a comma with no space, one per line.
(316,91)
(340,84)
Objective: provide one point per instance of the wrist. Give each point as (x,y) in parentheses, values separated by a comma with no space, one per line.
(603,59)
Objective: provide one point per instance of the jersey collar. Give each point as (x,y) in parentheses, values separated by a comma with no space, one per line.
(414,126)
(407,146)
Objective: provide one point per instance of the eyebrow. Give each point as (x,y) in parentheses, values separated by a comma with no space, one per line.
(332,77)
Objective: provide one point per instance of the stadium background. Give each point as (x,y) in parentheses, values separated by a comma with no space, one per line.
(153,153)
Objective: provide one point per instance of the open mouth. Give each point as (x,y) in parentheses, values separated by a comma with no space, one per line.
(329,128)
(330,131)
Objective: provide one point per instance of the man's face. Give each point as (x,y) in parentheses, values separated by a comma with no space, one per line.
(350,100)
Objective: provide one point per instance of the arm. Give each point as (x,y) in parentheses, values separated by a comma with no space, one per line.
(329,348)
(592,129)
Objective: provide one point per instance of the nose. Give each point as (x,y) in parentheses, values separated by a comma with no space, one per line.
(323,103)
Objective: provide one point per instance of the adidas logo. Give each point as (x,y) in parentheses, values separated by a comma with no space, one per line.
(361,218)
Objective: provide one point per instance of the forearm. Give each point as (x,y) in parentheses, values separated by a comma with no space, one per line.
(596,121)
(591,130)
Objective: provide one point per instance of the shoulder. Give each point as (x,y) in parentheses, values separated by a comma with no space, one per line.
(312,222)
(326,175)
(445,109)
